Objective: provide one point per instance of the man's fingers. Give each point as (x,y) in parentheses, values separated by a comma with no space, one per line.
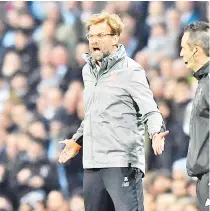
(155,149)
(60,159)
(159,151)
(161,148)
(62,153)
(64,156)
(163,134)
(63,159)
(62,142)
(162,145)
(69,151)
(158,148)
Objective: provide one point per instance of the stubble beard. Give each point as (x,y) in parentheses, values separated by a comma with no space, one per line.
(99,57)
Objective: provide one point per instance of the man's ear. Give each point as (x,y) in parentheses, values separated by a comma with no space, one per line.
(195,50)
(199,50)
(115,40)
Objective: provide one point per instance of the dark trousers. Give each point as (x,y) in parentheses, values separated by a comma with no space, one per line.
(203,192)
(113,189)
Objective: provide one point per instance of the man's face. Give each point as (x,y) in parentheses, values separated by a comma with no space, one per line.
(187,52)
(101,41)
(35,151)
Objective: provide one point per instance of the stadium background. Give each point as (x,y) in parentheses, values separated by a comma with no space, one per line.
(41,44)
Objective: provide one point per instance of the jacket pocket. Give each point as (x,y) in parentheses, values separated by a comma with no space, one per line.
(125,136)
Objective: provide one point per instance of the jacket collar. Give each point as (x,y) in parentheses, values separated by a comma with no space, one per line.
(202,72)
(110,60)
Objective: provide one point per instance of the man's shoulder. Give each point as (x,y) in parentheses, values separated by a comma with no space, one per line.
(86,69)
(205,81)
(132,69)
(133,65)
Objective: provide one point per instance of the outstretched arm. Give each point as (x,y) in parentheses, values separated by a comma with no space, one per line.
(141,93)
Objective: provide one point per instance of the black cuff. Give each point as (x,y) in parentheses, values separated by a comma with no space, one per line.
(163,128)
(80,141)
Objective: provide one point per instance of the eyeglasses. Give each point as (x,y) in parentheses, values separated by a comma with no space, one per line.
(100,36)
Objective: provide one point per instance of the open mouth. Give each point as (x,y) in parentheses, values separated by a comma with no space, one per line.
(96,49)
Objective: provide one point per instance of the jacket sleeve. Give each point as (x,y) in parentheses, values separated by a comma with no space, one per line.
(139,90)
(78,136)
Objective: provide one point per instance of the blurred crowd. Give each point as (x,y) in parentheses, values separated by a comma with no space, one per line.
(41,47)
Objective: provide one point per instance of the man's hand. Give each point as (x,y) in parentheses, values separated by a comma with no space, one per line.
(71,149)
(158,141)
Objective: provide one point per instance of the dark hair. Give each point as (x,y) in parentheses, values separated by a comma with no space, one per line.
(199,35)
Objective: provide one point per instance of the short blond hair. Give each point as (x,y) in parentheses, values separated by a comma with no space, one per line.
(113,20)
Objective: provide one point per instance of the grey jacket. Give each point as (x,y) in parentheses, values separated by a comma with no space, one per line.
(113,96)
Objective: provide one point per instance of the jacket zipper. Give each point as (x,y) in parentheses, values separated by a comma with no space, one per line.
(96,82)
(98,76)
(92,150)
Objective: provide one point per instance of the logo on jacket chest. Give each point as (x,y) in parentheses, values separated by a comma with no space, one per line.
(113,78)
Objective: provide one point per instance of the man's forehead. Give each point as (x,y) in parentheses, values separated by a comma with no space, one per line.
(99,28)
(185,37)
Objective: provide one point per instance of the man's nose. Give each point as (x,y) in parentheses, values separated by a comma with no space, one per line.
(93,39)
